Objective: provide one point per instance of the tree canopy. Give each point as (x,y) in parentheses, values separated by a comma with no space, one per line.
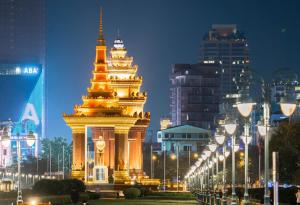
(286,141)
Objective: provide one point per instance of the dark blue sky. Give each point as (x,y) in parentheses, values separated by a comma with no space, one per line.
(157,33)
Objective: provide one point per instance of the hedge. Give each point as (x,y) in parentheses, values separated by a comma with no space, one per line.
(58,187)
(131,193)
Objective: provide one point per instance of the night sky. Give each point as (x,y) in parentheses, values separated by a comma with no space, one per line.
(157,33)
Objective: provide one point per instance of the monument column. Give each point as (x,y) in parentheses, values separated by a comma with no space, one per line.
(121,155)
(121,148)
(78,164)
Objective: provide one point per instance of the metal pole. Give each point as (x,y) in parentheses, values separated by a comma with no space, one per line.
(217,169)
(58,166)
(266,117)
(50,159)
(189,156)
(63,162)
(233,194)
(246,132)
(224,201)
(19,197)
(275,178)
(151,156)
(37,163)
(164,167)
(209,195)
(212,174)
(70,168)
(177,167)
(259,165)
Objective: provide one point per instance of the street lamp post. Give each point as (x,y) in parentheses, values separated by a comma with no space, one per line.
(164,147)
(151,162)
(19,196)
(30,140)
(63,163)
(177,166)
(220,139)
(205,157)
(263,129)
(245,107)
(212,148)
(230,129)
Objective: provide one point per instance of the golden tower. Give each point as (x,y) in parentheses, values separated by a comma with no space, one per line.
(108,128)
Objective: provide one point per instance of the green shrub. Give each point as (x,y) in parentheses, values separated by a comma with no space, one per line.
(131,193)
(93,195)
(111,179)
(48,186)
(72,184)
(143,190)
(56,187)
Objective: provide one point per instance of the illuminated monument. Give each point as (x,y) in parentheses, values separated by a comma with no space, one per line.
(108,128)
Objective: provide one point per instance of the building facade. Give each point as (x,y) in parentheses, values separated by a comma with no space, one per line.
(22,31)
(109,126)
(22,72)
(188,139)
(195,93)
(229,47)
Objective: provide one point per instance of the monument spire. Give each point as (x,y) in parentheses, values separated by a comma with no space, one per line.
(101,41)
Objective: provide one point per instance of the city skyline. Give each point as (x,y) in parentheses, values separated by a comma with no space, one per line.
(162,102)
(72,34)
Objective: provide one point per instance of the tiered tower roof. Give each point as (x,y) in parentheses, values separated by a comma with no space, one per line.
(114,88)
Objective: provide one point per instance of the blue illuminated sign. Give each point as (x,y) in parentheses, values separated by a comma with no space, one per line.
(28,70)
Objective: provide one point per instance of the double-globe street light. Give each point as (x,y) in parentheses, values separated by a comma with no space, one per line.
(213,147)
(30,140)
(288,106)
(220,139)
(230,127)
(245,107)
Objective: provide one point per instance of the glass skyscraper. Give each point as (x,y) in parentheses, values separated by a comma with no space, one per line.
(226,45)
(22,72)
(195,94)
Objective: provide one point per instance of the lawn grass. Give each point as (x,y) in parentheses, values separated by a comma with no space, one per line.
(141,202)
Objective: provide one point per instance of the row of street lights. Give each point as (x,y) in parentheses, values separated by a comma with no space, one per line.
(201,169)
(173,156)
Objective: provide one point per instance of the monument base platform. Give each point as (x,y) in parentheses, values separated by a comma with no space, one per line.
(78,174)
(121,177)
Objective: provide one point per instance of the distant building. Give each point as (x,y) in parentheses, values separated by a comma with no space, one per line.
(195,94)
(285,81)
(8,145)
(22,31)
(188,139)
(165,123)
(5,154)
(22,72)
(229,47)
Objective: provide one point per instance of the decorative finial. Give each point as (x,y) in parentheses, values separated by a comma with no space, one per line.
(101,40)
(118,33)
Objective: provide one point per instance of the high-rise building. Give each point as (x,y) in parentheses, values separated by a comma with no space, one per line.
(284,82)
(22,31)
(22,70)
(229,47)
(195,94)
